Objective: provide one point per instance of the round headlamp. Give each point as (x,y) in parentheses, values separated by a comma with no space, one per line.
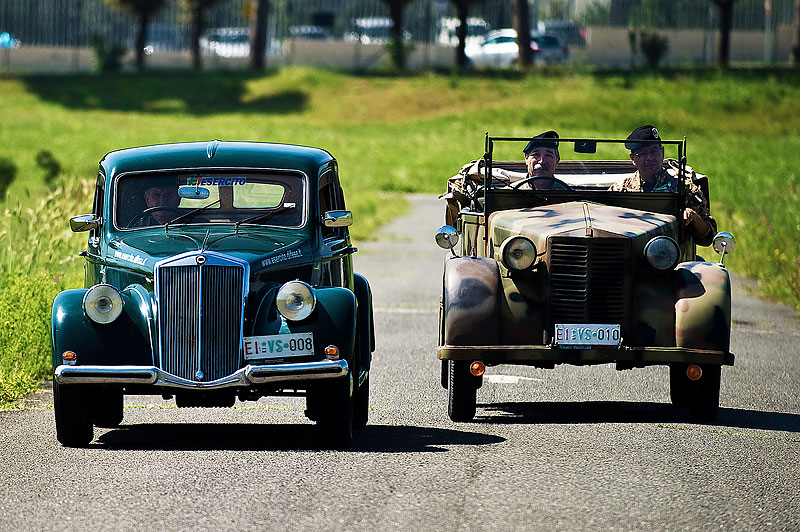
(296,300)
(518,252)
(661,253)
(102,303)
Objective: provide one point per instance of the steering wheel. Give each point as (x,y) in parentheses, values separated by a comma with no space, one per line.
(150,210)
(555,180)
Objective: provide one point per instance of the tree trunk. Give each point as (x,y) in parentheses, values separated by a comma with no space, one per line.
(258,34)
(397,44)
(794,58)
(462,8)
(198,22)
(522,24)
(141,39)
(725,27)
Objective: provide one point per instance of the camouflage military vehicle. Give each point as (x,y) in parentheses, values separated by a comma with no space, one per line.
(580,276)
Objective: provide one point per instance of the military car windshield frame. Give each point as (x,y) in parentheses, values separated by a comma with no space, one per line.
(670,201)
(225,196)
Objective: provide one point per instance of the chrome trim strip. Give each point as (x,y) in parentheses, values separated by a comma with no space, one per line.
(244,377)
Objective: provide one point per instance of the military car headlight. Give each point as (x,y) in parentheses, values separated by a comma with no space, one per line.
(518,252)
(296,300)
(102,303)
(661,253)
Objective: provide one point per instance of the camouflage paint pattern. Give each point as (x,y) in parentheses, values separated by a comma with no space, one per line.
(702,306)
(470,302)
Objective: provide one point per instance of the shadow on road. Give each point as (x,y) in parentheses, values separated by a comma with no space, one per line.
(239,437)
(629,412)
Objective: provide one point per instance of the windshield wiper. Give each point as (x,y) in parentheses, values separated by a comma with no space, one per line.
(262,216)
(189,214)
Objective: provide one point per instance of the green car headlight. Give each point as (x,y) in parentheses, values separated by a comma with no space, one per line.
(296,300)
(102,303)
(518,252)
(661,253)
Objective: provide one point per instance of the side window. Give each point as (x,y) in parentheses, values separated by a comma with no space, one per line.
(328,202)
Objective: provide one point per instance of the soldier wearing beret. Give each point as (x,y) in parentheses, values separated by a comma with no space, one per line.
(655,174)
(541,158)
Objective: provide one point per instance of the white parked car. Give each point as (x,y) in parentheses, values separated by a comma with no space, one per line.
(498,49)
(226,42)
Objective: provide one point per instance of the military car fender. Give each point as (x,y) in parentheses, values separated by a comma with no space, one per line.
(127,340)
(333,321)
(471,301)
(702,306)
(366,325)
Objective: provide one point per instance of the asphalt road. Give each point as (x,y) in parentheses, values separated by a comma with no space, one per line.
(565,449)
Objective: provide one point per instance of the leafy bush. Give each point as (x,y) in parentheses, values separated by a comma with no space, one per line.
(107,58)
(50,165)
(654,47)
(8,171)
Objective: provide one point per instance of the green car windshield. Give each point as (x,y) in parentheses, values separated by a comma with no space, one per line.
(155,199)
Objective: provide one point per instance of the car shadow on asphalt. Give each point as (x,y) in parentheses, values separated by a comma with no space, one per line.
(628,412)
(283,437)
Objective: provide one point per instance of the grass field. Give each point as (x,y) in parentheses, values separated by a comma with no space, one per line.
(391,135)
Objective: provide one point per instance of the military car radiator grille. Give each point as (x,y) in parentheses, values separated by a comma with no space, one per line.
(589,280)
(200,320)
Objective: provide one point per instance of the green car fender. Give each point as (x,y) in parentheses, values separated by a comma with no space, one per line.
(366,326)
(333,321)
(470,301)
(702,306)
(126,340)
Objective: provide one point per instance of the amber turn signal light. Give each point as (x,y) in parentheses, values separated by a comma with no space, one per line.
(332,352)
(477,368)
(69,355)
(694,372)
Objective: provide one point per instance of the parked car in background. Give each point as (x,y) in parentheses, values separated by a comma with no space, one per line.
(214,271)
(8,41)
(226,42)
(448,30)
(498,49)
(317,33)
(373,30)
(578,275)
(566,30)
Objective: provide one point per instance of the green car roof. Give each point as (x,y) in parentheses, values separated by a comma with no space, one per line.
(215,154)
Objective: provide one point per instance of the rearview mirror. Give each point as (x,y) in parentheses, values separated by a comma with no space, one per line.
(84,222)
(337,219)
(190,192)
(723,244)
(585,146)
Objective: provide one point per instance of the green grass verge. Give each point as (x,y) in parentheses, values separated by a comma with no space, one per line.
(391,135)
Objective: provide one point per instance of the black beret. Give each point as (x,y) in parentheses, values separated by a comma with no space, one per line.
(647,132)
(548,139)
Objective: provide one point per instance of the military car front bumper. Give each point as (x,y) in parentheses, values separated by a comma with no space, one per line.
(645,356)
(247,376)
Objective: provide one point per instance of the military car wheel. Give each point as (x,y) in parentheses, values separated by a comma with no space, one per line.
(107,409)
(705,395)
(461,391)
(361,405)
(333,404)
(73,419)
(680,389)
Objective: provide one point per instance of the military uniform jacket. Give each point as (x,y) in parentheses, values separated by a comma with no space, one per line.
(666,180)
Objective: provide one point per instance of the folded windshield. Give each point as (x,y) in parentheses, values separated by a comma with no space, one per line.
(155,199)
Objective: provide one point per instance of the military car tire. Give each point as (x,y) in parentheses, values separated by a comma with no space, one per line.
(107,409)
(73,418)
(461,391)
(333,403)
(705,395)
(680,389)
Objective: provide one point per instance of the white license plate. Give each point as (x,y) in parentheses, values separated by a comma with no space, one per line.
(278,345)
(575,334)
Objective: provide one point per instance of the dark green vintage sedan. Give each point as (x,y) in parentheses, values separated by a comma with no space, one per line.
(214,271)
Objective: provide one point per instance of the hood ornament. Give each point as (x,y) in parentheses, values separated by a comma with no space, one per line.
(211,148)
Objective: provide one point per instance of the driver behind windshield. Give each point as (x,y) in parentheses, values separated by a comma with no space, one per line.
(541,159)
(160,196)
(655,174)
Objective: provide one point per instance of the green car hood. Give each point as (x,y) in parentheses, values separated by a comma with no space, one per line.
(570,219)
(143,249)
